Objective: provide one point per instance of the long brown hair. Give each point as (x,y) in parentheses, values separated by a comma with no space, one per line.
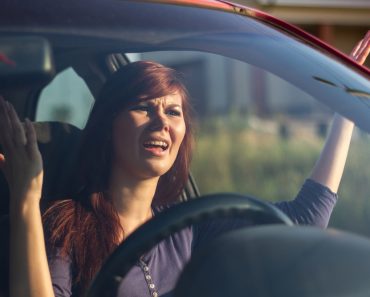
(87,228)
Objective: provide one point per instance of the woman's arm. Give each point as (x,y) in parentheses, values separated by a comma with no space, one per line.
(312,206)
(328,170)
(316,200)
(22,167)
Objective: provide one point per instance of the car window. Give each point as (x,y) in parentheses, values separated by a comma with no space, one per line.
(261,125)
(264,133)
(66,99)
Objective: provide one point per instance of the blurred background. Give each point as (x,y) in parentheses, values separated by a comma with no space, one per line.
(264,133)
(341,23)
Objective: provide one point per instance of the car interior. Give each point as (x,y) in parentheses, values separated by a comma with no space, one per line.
(59,142)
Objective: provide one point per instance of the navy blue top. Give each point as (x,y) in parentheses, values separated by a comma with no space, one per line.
(158,270)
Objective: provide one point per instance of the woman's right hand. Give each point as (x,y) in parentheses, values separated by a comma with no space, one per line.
(361,51)
(21,160)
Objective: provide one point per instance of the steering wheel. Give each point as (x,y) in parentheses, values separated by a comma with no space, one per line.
(172,220)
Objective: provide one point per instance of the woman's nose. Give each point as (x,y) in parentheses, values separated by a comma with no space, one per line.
(159,122)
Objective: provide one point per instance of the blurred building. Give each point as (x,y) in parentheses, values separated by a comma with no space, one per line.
(340,23)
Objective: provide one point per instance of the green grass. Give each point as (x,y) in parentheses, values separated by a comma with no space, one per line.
(230,157)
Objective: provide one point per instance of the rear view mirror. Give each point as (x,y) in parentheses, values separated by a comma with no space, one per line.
(25,61)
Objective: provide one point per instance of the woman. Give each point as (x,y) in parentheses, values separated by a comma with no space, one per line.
(128,161)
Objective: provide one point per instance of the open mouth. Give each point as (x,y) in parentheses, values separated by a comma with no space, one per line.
(156,144)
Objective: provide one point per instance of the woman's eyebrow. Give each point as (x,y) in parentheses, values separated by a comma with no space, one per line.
(174,105)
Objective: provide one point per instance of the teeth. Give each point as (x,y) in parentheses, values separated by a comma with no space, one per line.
(157,143)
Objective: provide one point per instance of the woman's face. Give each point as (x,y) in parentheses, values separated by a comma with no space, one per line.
(147,136)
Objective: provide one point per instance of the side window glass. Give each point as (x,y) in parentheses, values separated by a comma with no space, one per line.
(65,99)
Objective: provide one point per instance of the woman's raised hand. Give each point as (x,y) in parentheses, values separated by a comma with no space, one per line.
(328,170)
(21,160)
(362,49)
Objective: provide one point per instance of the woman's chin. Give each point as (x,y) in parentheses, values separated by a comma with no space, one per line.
(143,169)
(156,170)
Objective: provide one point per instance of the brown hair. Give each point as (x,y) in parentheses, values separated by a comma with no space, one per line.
(87,228)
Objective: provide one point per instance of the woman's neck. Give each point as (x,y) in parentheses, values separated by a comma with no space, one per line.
(132,199)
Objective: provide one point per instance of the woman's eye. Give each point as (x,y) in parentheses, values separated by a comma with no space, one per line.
(173,112)
(140,108)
